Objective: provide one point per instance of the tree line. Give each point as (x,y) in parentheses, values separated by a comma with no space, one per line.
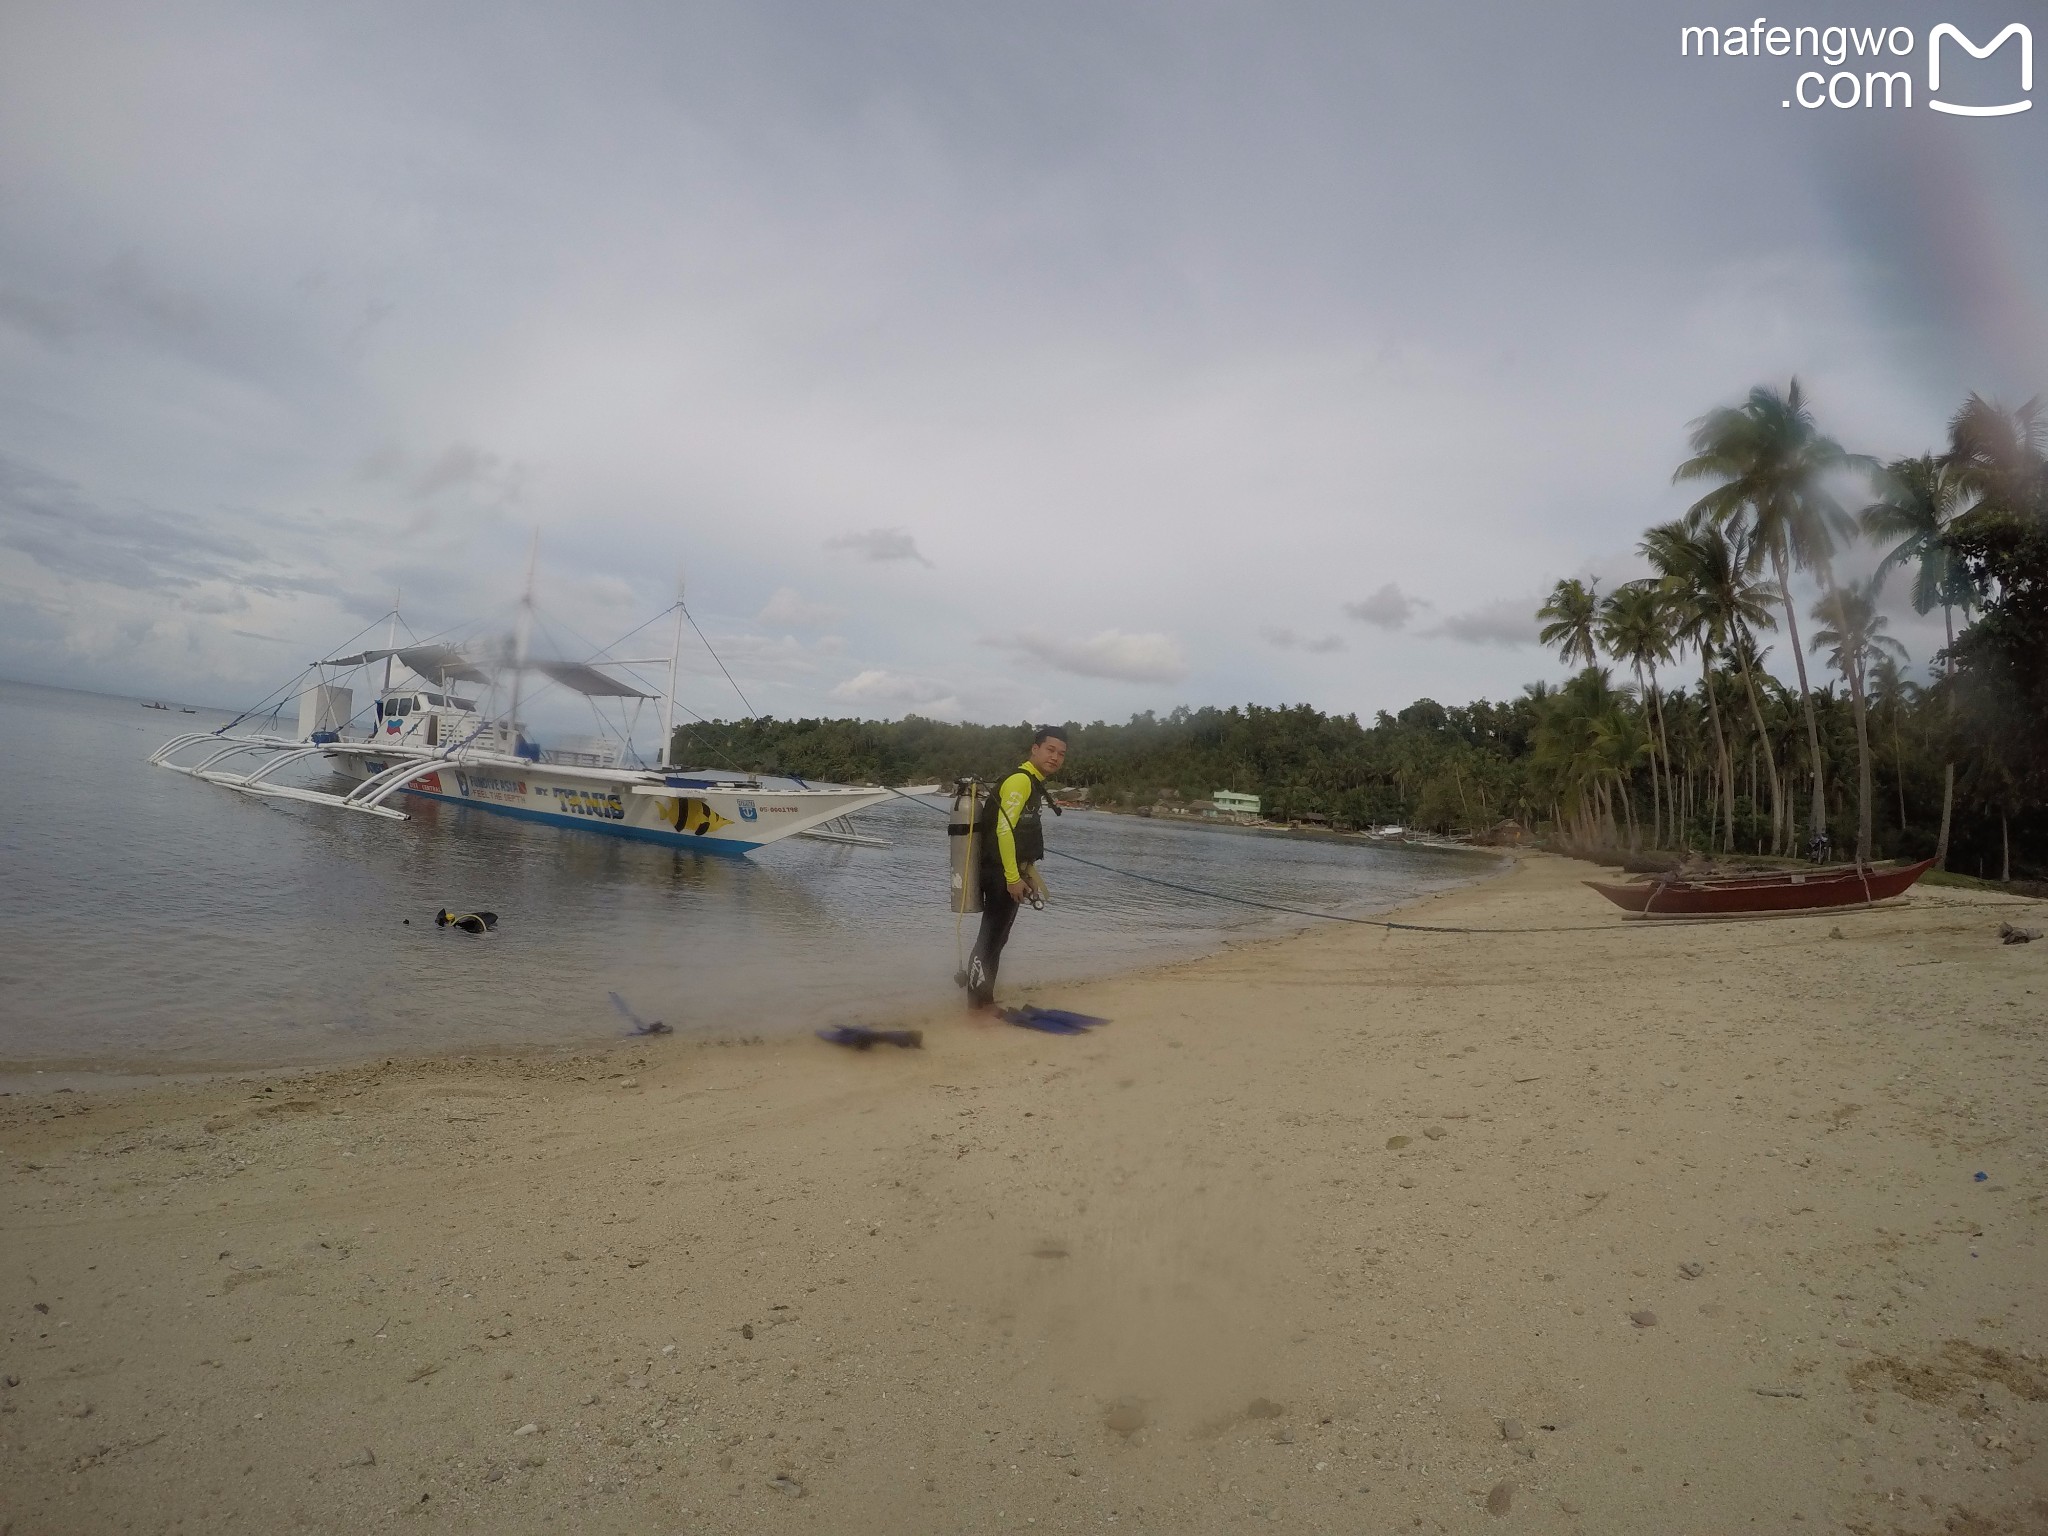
(1673,734)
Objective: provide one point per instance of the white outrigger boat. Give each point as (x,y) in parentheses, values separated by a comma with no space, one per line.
(424,739)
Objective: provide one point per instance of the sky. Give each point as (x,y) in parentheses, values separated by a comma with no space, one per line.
(1035,361)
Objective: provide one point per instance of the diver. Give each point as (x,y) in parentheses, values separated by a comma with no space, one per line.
(1012,841)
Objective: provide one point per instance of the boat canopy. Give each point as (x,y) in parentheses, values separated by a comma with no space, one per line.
(444,661)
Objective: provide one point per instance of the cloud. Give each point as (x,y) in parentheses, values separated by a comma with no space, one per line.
(877,687)
(459,466)
(140,548)
(1282,638)
(1150,658)
(879,544)
(1509,621)
(787,606)
(1389,608)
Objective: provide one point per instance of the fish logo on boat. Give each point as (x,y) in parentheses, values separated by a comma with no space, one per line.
(694,816)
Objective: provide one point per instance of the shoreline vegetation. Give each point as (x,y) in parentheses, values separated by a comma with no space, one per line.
(1340,1230)
(1716,757)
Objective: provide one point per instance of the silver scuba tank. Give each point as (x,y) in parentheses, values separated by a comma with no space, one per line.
(961,844)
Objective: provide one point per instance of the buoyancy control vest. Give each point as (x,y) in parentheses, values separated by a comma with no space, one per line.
(1029,830)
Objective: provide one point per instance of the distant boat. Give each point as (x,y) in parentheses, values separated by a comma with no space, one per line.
(156,706)
(183,711)
(1790,890)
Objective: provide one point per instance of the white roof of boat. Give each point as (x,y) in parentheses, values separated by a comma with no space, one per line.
(445,661)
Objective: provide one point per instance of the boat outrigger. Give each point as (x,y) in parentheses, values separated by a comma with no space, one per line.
(434,738)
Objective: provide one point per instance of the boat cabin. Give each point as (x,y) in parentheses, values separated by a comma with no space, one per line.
(424,719)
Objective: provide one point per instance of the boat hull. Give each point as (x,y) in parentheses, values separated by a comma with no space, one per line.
(702,818)
(1735,896)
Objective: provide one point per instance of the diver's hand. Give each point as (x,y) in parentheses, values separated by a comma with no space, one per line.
(1019,891)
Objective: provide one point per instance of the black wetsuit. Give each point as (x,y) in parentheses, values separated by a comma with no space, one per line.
(1012,839)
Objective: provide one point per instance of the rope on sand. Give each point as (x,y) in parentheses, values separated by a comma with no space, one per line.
(1394,927)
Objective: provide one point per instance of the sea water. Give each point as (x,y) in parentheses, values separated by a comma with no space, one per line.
(150,922)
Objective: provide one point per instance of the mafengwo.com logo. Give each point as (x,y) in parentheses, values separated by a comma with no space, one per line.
(1874,66)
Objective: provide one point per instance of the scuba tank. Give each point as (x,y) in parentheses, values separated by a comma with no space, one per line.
(960,840)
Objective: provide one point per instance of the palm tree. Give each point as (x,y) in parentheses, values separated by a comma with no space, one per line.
(1573,610)
(1894,694)
(1586,743)
(1714,606)
(1853,633)
(1917,500)
(2000,457)
(1635,628)
(1773,464)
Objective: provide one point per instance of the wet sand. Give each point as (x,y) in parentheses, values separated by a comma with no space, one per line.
(1630,1229)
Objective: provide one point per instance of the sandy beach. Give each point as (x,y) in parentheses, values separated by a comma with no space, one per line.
(1622,1228)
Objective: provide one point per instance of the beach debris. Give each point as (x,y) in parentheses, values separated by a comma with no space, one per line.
(468,922)
(524,1430)
(1777,1391)
(1396,1143)
(1643,1319)
(1125,1416)
(1500,1498)
(1981,1177)
(1692,1269)
(1263,1408)
(2008,934)
(1511,1429)
(640,1026)
(1051,1021)
(782,1482)
(860,1037)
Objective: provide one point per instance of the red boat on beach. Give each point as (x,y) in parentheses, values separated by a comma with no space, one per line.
(1790,890)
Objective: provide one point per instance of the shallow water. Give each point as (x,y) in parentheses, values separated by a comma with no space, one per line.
(155,923)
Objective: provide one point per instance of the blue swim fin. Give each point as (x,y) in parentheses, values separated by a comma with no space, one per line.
(1051,1021)
(1064,1016)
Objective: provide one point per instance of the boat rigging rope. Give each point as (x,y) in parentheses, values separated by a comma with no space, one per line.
(717,658)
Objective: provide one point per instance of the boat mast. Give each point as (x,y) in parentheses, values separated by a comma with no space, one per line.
(668,704)
(522,636)
(392,642)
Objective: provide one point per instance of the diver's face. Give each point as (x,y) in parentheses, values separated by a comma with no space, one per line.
(1047,756)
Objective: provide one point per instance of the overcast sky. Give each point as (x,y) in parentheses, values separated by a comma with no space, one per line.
(991,362)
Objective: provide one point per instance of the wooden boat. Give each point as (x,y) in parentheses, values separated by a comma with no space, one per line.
(1790,890)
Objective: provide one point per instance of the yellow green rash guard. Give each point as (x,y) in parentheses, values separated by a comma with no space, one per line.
(1013,799)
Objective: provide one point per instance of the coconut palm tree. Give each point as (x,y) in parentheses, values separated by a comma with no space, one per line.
(1636,628)
(1917,501)
(2000,457)
(1894,695)
(1586,743)
(1773,465)
(1852,632)
(1573,611)
(1714,606)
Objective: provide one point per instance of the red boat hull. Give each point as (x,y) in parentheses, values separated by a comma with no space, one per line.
(1791,891)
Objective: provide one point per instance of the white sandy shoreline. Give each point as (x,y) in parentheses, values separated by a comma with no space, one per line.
(1343,1232)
